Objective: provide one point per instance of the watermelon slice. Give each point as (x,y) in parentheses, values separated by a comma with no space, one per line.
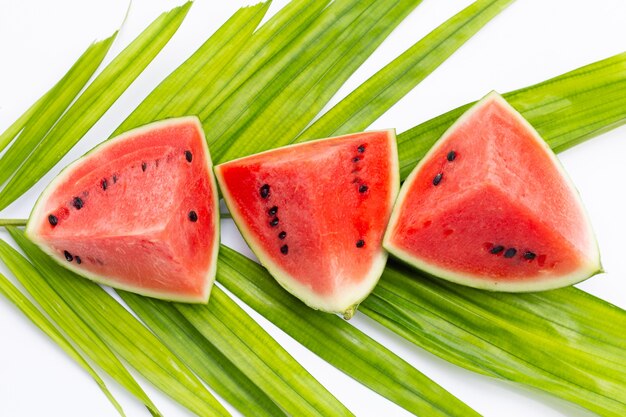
(491,207)
(315,214)
(139,212)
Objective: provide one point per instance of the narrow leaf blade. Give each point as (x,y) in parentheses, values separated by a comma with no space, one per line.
(201,356)
(93,103)
(257,354)
(16,127)
(336,341)
(188,83)
(486,332)
(38,319)
(376,95)
(280,100)
(224,62)
(566,110)
(70,323)
(53,105)
(124,334)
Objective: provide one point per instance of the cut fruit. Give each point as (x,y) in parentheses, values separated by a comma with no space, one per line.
(491,207)
(138,212)
(315,214)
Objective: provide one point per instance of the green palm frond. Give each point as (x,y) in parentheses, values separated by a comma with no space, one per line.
(376,95)
(202,357)
(187,84)
(519,337)
(281,98)
(566,110)
(15,296)
(47,110)
(336,341)
(86,339)
(264,361)
(260,87)
(44,152)
(128,337)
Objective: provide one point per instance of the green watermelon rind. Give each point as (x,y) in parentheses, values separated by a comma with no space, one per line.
(588,269)
(37,215)
(349,303)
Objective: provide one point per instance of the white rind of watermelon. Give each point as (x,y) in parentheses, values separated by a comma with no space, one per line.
(39,214)
(588,253)
(346,296)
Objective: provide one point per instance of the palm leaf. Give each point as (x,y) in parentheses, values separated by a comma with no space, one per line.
(123,333)
(45,112)
(263,360)
(202,357)
(336,341)
(580,87)
(91,104)
(243,346)
(14,129)
(271,45)
(280,100)
(491,334)
(566,110)
(585,102)
(34,315)
(376,95)
(218,67)
(583,361)
(189,82)
(75,328)
(328,400)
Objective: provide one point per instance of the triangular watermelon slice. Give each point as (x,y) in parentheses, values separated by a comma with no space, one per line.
(491,207)
(139,212)
(315,214)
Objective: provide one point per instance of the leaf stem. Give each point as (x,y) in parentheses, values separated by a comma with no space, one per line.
(13,222)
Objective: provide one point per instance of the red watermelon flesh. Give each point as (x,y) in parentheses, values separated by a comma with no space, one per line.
(139,212)
(490,206)
(315,214)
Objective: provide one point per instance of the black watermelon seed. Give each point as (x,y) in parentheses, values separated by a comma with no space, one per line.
(282,235)
(360,243)
(284,249)
(274,222)
(264,191)
(496,249)
(529,255)
(104,184)
(53,220)
(510,252)
(363,188)
(438,178)
(188,156)
(193,216)
(78,260)
(272,211)
(114,179)
(78,203)
(144,166)
(451,156)
(68,256)
(361,148)
(356,159)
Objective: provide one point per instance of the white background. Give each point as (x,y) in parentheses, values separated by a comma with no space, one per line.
(529,42)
